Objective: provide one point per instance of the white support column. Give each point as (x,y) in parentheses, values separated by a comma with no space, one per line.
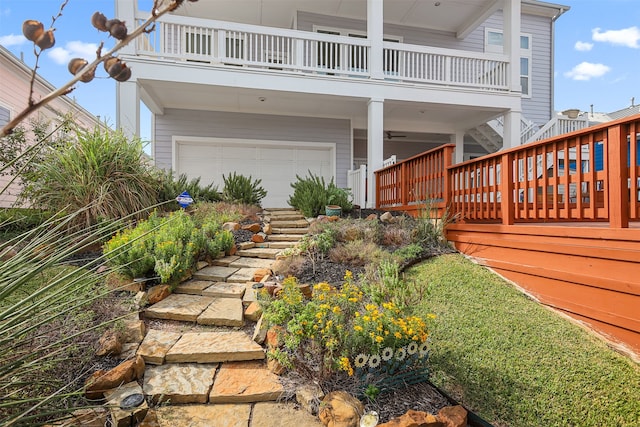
(375,154)
(511,136)
(511,37)
(128,108)
(458,139)
(126,11)
(375,19)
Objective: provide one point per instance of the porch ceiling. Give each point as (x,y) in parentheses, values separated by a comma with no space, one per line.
(399,116)
(443,15)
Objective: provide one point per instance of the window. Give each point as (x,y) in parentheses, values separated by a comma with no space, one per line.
(494,43)
(5,116)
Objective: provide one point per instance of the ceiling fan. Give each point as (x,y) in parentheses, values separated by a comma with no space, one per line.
(391,135)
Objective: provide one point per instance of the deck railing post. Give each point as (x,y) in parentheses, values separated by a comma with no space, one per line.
(617,176)
(506,190)
(404,185)
(447,191)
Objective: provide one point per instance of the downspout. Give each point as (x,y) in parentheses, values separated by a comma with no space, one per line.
(562,10)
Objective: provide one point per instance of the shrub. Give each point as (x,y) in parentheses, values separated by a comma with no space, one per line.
(100,173)
(336,326)
(16,220)
(356,253)
(240,189)
(311,195)
(172,186)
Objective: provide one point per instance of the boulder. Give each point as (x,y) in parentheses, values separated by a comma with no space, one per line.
(453,416)
(371,217)
(260,274)
(414,419)
(275,367)
(253,312)
(254,228)
(267,229)
(259,237)
(110,343)
(120,282)
(231,226)
(134,331)
(387,218)
(309,397)
(260,331)
(158,293)
(141,299)
(275,335)
(340,409)
(101,381)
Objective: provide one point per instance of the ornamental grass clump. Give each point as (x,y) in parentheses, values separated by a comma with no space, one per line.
(337,327)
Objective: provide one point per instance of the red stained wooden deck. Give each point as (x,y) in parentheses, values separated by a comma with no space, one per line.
(559,217)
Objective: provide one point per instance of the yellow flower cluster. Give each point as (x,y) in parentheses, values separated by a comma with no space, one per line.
(345,365)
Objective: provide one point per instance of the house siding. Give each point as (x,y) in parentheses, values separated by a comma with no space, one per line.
(218,124)
(536,108)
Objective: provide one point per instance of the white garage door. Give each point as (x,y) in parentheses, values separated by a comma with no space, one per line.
(276,163)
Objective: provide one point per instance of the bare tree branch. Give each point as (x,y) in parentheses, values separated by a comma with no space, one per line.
(68,87)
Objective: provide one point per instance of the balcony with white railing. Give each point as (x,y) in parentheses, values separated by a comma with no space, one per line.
(225,44)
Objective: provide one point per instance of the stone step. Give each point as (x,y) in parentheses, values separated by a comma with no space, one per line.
(179,383)
(264,253)
(301,223)
(213,347)
(182,307)
(285,216)
(223,312)
(210,289)
(245,262)
(225,261)
(243,274)
(285,238)
(276,245)
(245,382)
(298,231)
(215,273)
(279,210)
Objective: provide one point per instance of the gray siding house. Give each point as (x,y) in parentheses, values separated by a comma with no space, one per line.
(279,88)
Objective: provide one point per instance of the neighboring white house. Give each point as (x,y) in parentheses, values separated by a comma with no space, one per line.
(15,76)
(277,88)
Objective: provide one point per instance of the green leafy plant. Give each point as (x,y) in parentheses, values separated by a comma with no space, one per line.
(326,332)
(242,189)
(171,186)
(99,173)
(311,195)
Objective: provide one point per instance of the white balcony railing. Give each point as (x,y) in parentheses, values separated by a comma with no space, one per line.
(231,44)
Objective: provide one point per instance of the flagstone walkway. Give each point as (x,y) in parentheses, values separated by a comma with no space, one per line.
(203,367)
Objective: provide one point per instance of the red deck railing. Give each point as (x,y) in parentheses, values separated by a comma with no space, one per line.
(588,175)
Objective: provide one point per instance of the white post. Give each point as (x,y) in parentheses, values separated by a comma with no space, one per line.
(458,139)
(375,154)
(126,11)
(511,133)
(128,108)
(511,37)
(375,18)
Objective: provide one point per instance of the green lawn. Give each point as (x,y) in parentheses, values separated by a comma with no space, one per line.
(516,363)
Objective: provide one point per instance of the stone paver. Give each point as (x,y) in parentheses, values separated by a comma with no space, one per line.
(272,414)
(155,345)
(242,275)
(260,253)
(239,382)
(289,223)
(298,231)
(204,415)
(215,273)
(225,261)
(179,307)
(123,417)
(179,383)
(285,237)
(223,312)
(250,294)
(244,262)
(281,245)
(212,347)
(224,290)
(192,287)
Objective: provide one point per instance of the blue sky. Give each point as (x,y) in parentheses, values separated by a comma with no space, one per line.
(597,51)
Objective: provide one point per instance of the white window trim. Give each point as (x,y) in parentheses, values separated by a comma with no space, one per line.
(11,113)
(524,53)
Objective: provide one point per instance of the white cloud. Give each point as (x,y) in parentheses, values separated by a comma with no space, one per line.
(12,40)
(74,49)
(587,71)
(628,37)
(583,46)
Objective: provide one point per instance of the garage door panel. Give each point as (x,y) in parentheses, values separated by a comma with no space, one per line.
(276,165)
